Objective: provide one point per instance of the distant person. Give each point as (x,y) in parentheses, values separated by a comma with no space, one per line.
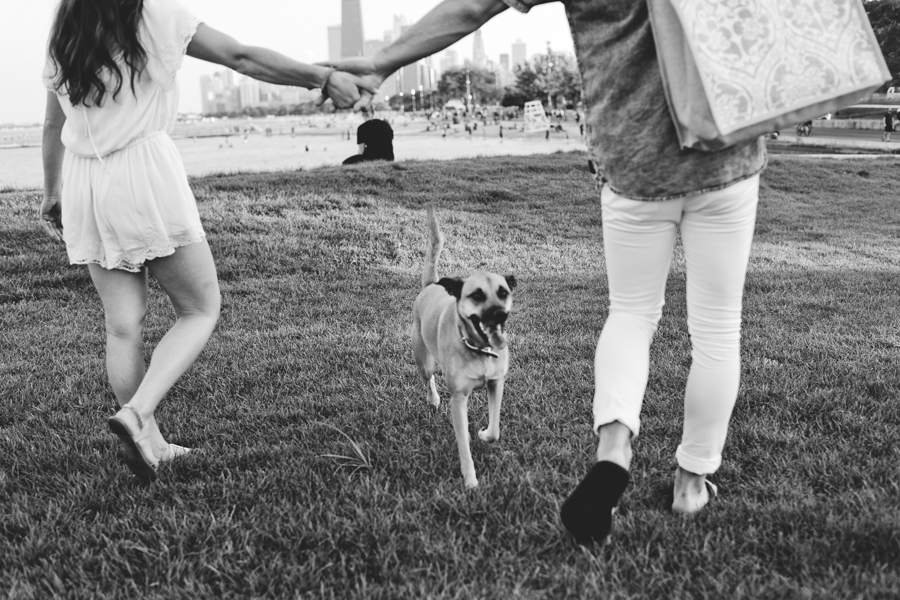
(122,204)
(888,126)
(650,190)
(375,139)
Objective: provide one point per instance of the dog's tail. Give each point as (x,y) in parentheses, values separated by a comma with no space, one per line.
(433,250)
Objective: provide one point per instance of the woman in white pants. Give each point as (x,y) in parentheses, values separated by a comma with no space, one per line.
(651,186)
(638,240)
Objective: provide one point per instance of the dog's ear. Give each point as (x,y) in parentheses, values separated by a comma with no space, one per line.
(453,285)
(511,281)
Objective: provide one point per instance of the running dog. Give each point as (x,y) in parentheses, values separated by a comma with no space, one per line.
(460,324)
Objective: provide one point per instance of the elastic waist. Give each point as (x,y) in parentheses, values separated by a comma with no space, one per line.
(132,143)
(141,140)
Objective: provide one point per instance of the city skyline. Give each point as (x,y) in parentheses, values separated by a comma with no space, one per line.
(223,93)
(296,28)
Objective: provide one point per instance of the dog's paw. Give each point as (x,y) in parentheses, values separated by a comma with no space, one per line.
(471,482)
(488,436)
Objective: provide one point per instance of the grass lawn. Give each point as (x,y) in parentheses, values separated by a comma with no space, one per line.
(311,356)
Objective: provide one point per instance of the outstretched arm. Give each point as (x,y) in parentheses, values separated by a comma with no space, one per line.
(273,67)
(446,24)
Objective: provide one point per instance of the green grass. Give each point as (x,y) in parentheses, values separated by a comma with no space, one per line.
(311,362)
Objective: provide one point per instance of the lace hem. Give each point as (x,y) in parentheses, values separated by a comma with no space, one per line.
(98,254)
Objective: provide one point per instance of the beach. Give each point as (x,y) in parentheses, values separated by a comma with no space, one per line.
(246,146)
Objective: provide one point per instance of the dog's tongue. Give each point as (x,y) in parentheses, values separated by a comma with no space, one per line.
(497,338)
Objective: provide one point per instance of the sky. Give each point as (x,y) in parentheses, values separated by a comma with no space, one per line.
(297,28)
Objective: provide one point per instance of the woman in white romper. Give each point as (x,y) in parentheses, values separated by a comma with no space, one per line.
(116,192)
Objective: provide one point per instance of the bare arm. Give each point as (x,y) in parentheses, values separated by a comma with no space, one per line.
(52,151)
(446,24)
(273,67)
(443,26)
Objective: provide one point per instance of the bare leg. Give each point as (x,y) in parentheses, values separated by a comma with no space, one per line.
(690,494)
(615,444)
(124,298)
(189,279)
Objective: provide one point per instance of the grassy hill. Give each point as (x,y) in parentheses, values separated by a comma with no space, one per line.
(312,362)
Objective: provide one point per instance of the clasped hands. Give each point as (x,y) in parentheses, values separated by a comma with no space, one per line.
(352,85)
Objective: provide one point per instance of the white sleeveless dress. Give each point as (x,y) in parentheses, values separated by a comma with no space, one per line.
(125,194)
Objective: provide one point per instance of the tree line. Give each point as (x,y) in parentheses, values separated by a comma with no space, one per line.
(884,15)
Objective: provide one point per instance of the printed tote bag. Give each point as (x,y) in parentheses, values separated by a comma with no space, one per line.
(736,69)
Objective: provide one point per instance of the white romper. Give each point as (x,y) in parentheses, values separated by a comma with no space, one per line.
(125,194)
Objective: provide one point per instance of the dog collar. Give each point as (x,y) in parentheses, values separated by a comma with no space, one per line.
(486,350)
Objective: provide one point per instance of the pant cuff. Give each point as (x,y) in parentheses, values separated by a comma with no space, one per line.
(633,424)
(698,466)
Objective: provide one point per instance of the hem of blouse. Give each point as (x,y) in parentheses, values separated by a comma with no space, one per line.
(713,188)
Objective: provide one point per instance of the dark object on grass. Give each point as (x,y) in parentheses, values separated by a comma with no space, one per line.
(376,141)
(587,512)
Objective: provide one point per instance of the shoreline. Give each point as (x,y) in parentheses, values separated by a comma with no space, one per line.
(228,151)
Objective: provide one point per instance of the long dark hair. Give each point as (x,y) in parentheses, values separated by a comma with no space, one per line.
(88,35)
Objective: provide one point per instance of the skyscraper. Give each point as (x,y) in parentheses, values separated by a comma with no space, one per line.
(399,23)
(351,29)
(478,49)
(518,53)
(334,42)
(504,73)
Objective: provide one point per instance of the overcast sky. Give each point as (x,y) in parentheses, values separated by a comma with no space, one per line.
(297,28)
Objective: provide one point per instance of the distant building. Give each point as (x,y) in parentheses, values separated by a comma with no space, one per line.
(449,60)
(334,42)
(505,75)
(351,29)
(218,94)
(518,53)
(249,90)
(400,25)
(409,78)
(478,57)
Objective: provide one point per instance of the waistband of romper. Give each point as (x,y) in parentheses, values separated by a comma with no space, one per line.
(135,142)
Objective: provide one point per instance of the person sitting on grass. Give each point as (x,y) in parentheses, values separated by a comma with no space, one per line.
(116,192)
(375,138)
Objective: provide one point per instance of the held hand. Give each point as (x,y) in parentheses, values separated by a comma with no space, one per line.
(51,217)
(368,82)
(346,90)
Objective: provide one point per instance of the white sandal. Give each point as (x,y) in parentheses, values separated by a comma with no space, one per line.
(174,451)
(128,425)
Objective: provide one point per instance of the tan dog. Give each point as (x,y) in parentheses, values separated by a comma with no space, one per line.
(459,325)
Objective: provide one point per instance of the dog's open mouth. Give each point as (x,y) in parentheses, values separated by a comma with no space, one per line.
(491,332)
